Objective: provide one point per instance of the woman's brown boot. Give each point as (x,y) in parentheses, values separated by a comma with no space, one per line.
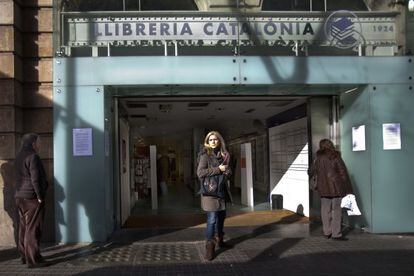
(210,247)
(220,241)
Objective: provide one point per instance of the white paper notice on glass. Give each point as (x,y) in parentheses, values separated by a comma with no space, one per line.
(391,136)
(82,141)
(358,138)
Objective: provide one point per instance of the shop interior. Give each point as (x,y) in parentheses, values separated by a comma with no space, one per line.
(172,131)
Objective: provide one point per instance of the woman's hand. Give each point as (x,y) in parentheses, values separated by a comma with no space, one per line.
(223,168)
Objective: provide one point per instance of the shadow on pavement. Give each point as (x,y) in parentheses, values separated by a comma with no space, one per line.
(378,262)
(8,254)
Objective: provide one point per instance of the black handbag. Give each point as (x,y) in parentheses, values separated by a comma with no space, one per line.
(213,186)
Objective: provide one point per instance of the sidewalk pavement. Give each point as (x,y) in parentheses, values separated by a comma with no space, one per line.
(279,249)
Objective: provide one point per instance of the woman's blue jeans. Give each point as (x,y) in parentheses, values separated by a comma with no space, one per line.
(215,223)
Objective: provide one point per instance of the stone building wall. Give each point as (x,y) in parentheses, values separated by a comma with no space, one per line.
(26,52)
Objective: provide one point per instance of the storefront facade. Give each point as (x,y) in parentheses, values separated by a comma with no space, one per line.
(102,57)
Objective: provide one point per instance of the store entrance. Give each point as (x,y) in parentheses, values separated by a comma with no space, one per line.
(267,137)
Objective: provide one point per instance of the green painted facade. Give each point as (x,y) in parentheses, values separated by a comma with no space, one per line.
(84,88)
(383,178)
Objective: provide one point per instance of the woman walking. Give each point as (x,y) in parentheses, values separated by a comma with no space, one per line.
(213,170)
(332,183)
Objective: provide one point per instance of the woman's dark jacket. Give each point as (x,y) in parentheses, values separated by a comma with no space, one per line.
(31,180)
(208,165)
(332,175)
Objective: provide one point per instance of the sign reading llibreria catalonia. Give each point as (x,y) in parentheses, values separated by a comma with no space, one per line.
(340,30)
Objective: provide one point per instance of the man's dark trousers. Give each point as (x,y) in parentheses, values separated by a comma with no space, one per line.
(31,214)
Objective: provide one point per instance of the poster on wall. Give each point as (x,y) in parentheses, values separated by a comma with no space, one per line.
(82,141)
(358,138)
(391,136)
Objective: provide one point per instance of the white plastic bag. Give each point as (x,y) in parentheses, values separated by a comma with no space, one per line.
(348,202)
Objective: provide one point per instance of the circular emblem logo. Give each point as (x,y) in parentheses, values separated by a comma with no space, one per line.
(343,30)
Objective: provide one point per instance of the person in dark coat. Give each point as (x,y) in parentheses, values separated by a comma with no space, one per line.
(332,183)
(31,186)
(213,162)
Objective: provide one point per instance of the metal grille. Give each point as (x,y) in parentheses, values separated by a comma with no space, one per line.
(115,255)
(166,253)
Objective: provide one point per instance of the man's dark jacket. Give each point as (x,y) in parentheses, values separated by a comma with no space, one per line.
(31,180)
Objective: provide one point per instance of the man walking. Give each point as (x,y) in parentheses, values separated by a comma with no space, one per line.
(31,186)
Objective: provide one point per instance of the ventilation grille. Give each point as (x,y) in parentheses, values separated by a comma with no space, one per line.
(136,105)
(198,104)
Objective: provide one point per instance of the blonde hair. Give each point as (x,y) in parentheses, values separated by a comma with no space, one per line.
(222,144)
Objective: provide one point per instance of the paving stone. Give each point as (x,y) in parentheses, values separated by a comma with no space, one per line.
(363,254)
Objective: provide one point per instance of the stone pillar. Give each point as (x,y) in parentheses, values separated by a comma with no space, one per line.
(37,102)
(10,112)
(25,98)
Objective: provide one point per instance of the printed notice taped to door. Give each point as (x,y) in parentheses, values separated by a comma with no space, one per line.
(391,136)
(358,138)
(82,141)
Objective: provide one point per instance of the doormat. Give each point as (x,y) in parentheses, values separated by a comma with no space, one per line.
(199,220)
